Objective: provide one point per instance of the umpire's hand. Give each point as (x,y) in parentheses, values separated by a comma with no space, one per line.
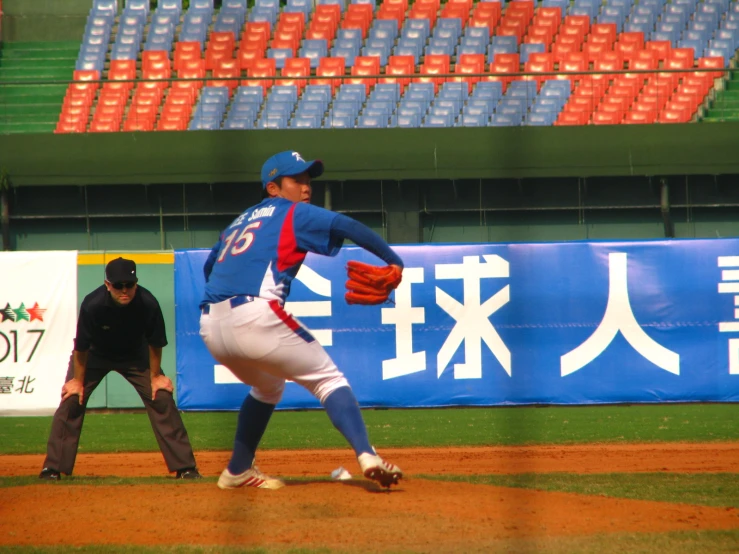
(72,387)
(160,382)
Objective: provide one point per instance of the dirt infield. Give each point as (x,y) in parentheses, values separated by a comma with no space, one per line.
(421,515)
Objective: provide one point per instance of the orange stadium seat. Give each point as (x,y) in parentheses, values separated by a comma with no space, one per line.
(226,74)
(330,67)
(186,51)
(399,65)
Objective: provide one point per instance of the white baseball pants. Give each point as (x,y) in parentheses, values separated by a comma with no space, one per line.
(263,346)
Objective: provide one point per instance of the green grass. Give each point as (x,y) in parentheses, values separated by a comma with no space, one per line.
(683,542)
(705,489)
(130,432)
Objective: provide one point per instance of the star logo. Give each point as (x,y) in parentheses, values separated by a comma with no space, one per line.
(21,313)
(7,313)
(36,312)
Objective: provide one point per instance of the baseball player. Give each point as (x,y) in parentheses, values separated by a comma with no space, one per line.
(245,327)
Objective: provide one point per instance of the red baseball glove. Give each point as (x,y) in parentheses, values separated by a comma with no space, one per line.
(370,284)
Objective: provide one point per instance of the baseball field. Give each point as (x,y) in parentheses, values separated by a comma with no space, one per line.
(636,478)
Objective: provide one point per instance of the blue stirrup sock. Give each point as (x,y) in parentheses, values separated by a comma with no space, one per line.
(342,409)
(253,419)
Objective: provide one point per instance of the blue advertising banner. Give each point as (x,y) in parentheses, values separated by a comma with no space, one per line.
(505,324)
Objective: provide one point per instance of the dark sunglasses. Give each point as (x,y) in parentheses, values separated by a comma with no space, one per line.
(125,284)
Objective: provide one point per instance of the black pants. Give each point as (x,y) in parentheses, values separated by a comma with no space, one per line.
(66,428)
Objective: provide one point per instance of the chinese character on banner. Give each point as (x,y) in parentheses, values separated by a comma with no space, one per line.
(25,385)
(619,317)
(730,285)
(6,385)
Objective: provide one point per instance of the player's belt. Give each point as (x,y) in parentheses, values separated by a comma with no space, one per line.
(235,301)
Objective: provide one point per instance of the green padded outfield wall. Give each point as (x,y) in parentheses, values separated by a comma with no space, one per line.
(155,271)
(371,154)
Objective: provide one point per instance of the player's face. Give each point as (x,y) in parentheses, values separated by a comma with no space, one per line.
(296,188)
(123,295)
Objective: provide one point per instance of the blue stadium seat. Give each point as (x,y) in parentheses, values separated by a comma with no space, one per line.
(541,119)
(388,24)
(715,52)
(352,92)
(346,107)
(317,108)
(562,4)
(381,53)
(392,89)
(306,121)
(638,27)
(451,24)
(474,107)
(432,120)
(124,52)
(372,121)
(502,45)
(299,6)
(408,120)
(472,46)
(279,55)
(201,5)
(425,90)
(439,49)
(233,5)
(239,124)
(317,92)
(584,9)
(444,108)
(346,52)
(273,121)
(504,120)
(551,105)
(522,89)
(314,49)
(423,25)
(204,124)
(609,19)
(350,34)
(555,88)
(472,120)
(340,3)
(698,46)
(339,122)
(530,48)
(414,109)
(408,49)
(220,93)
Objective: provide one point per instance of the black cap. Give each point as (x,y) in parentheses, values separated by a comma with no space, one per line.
(121,270)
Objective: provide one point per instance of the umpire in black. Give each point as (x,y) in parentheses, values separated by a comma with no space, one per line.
(120,328)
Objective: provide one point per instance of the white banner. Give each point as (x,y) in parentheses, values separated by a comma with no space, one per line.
(38,323)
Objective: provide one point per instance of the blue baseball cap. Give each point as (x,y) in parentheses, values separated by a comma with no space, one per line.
(289,163)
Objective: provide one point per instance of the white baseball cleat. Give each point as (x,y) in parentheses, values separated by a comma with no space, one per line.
(250,478)
(377,469)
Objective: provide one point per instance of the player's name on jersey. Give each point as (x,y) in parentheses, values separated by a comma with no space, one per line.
(262,212)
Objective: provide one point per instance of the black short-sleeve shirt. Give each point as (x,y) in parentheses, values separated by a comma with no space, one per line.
(118,336)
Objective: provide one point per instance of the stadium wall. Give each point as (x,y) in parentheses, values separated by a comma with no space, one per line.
(44,20)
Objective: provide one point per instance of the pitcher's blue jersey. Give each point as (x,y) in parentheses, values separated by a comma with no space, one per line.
(260,253)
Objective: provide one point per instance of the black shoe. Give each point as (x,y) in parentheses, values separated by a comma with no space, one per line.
(49,474)
(188,473)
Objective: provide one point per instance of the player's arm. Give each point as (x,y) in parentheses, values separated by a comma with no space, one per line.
(344,227)
(211,260)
